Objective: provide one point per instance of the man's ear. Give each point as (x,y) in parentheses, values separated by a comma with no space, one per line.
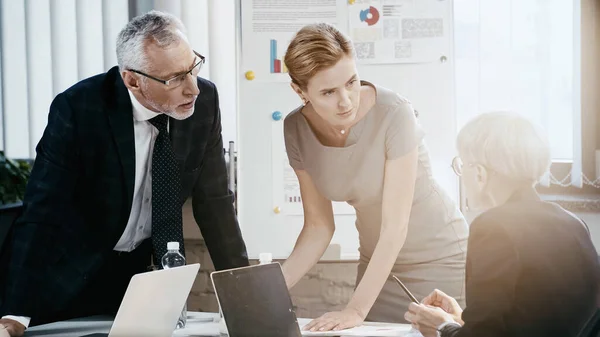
(482,175)
(131,81)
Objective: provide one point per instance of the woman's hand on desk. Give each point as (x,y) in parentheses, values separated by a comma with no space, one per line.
(336,320)
(14,328)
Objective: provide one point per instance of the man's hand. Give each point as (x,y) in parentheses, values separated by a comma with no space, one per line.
(439,299)
(426,319)
(14,328)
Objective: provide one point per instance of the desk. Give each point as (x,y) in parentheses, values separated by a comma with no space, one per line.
(198,324)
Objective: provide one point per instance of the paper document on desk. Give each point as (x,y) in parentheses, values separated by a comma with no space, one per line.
(368,329)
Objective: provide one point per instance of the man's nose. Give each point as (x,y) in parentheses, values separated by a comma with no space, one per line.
(191,86)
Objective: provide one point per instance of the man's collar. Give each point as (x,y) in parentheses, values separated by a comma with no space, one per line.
(140,112)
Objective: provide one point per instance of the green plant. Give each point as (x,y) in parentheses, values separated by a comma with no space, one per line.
(13,179)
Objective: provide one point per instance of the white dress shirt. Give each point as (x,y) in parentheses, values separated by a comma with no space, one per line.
(139,226)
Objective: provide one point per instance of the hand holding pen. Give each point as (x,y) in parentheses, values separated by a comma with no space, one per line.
(436,299)
(440,300)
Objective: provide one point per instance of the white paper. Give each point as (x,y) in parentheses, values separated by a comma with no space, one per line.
(398,31)
(368,329)
(269,25)
(195,328)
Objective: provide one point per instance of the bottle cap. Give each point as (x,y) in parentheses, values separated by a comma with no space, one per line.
(265,257)
(173,245)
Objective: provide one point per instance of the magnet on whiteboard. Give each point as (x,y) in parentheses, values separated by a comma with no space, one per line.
(249,75)
(443,59)
(277,210)
(276,115)
(351,2)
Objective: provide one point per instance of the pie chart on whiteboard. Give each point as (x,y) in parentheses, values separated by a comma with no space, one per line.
(369,15)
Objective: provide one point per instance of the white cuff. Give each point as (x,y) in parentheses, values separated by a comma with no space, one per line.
(21,319)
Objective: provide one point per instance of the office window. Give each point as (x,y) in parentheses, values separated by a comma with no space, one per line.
(518,55)
(523,56)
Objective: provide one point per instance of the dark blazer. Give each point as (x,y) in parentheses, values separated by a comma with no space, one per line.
(79,195)
(532,271)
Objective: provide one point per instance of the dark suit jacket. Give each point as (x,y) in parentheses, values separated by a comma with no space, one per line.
(79,195)
(532,271)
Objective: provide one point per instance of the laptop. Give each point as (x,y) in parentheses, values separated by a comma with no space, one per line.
(153,302)
(255,301)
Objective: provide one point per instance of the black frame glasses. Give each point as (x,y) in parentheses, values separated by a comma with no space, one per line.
(182,75)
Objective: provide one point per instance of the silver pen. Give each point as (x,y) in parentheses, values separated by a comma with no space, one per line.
(412,297)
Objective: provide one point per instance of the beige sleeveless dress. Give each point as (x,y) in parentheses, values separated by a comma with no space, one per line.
(434,253)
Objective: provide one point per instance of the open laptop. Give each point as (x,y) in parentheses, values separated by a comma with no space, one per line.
(153,302)
(255,301)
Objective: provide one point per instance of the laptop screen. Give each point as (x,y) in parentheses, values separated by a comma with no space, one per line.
(255,302)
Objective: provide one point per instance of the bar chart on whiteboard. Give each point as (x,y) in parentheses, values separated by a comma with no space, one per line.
(268,27)
(276,58)
(291,190)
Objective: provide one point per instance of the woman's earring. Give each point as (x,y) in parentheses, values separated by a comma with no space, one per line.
(304,102)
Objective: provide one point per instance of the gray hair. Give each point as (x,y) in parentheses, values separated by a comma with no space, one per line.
(154,26)
(507,143)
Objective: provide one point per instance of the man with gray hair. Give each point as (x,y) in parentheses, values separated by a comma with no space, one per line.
(532,269)
(121,153)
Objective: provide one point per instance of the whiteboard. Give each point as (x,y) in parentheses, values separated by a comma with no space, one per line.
(261,150)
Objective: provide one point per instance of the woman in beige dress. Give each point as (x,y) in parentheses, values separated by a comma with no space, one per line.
(361,143)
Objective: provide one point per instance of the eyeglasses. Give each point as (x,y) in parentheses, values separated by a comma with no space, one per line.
(179,79)
(457,166)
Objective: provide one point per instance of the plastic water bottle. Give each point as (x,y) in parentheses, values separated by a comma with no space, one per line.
(265,258)
(172,259)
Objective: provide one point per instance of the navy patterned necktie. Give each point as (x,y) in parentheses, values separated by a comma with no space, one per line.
(167,224)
